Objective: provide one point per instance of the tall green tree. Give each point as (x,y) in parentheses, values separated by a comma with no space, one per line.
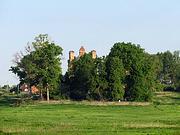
(168,75)
(25,68)
(87,78)
(80,83)
(168,63)
(115,77)
(98,80)
(177,77)
(42,66)
(137,69)
(143,79)
(177,70)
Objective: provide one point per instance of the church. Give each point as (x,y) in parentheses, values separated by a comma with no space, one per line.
(82,51)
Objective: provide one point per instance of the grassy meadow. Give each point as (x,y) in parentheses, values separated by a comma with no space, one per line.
(161,117)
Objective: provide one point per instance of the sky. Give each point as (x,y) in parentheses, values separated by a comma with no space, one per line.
(94,24)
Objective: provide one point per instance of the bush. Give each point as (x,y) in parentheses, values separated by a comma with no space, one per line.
(169,88)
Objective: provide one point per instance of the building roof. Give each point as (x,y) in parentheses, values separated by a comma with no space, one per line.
(82,49)
(71,51)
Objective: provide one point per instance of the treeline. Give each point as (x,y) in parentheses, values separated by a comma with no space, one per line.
(127,73)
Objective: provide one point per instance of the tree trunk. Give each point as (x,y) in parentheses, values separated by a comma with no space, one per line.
(30,90)
(41,94)
(47,94)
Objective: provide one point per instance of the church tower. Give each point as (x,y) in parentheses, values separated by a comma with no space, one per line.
(93,53)
(71,56)
(82,51)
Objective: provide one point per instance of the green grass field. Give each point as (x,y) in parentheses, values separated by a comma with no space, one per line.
(162,117)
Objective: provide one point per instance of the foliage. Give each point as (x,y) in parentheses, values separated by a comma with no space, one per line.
(115,77)
(41,66)
(127,73)
(87,78)
(177,77)
(98,81)
(139,73)
(166,74)
(81,77)
(169,71)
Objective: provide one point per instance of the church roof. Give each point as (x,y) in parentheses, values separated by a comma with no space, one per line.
(82,49)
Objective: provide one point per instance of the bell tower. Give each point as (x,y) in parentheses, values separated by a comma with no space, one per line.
(93,53)
(71,56)
(82,51)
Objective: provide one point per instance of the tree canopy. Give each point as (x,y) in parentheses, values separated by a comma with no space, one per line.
(126,73)
(41,66)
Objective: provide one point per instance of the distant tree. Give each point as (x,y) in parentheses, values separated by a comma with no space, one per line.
(143,80)
(115,77)
(177,70)
(48,63)
(157,67)
(168,63)
(41,66)
(24,68)
(137,69)
(80,83)
(5,87)
(168,74)
(177,78)
(98,80)
(87,78)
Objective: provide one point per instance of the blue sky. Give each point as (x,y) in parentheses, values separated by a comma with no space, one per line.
(95,24)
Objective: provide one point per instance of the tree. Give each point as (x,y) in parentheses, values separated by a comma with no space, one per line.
(98,80)
(48,63)
(42,66)
(177,77)
(25,67)
(168,75)
(115,77)
(80,83)
(177,70)
(87,78)
(168,63)
(143,79)
(137,69)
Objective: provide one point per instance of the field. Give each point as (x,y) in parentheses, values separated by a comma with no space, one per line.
(162,117)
